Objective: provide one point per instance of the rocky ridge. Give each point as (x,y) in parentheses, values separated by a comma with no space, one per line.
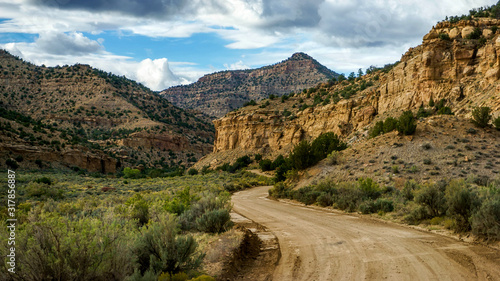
(77,116)
(463,71)
(218,93)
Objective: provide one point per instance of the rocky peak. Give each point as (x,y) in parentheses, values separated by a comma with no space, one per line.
(219,93)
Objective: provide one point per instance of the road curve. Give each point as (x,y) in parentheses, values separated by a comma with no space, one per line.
(320,245)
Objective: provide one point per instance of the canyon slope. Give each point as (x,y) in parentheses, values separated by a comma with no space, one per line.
(457,63)
(81,117)
(219,93)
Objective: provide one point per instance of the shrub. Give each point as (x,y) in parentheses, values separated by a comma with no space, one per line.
(445,110)
(333,158)
(348,198)
(281,171)
(496,122)
(408,189)
(433,199)
(481,116)
(324,144)
(251,102)
(485,221)
(462,203)
(159,249)
(266,165)
(192,172)
(139,209)
(57,248)
(301,156)
(431,102)
(369,188)
(215,221)
(444,36)
(210,202)
(44,180)
(422,113)
(325,199)
(130,173)
(476,34)
(257,157)
(11,164)
(43,191)
(370,206)
(377,129)
(280,160)
(407,124)
(390,124)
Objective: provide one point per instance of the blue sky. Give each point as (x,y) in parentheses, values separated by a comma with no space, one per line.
(165,43)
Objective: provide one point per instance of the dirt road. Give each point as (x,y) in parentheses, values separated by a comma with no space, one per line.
(321,245)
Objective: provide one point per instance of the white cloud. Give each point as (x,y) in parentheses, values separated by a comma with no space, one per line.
(236,66)
(75,48)
(156,74)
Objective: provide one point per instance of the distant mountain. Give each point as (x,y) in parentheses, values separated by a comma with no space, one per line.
(78,116)
(219,93)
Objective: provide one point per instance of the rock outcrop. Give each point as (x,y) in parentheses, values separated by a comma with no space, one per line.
(464,72)
(219,93)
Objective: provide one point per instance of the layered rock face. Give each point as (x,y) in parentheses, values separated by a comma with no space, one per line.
(464,72)
(219,93)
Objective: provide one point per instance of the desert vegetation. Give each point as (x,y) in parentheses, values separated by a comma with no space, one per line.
(74,226)
(460,205)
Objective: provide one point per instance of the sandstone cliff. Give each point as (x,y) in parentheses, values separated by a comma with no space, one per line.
(219,93)
(464,72)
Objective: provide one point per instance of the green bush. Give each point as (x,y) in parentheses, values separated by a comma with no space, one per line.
(159,249)
(462,203)
(496,122)
(370,206)
(445,110)
(12,164)
(433,199)
(369,188)
(266,165)
(325,199)
(44,180)
(390,124)
(407,124)
(377,129)
(214,221)
(422,113)
(481,116)
(51,247)
(139,209)
(325,144)
(485,223)
(130,173)
(444,36)
(476,34)
(348,198)
(192,172)
(301,156)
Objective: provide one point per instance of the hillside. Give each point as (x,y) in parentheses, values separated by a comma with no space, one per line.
(219,93)
(457,63)
(83,117)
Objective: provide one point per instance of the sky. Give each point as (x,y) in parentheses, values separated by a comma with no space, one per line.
(163,43)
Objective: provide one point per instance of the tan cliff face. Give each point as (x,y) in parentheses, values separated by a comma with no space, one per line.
(464,72)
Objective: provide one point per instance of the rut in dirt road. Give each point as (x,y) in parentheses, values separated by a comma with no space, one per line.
(321,245)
